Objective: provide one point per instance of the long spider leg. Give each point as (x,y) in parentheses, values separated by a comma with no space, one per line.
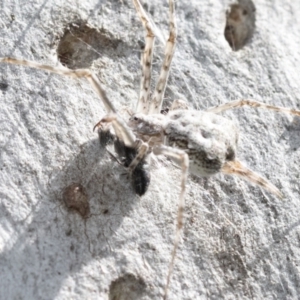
(236,168)
(182,158)
(90,76)
(119,125)
(251,103)
(157,99)
(146,59)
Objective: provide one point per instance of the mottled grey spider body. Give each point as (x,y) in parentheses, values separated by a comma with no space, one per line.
(203,143)
(209,140)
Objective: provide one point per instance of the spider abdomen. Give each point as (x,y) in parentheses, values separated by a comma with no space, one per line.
(209,139)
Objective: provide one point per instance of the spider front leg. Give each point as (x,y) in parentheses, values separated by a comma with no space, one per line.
(156,102)
(146,60)
(78,73)
(181,158)
(123,132)
(157,99)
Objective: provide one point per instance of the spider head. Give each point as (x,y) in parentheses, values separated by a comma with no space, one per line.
(147,124)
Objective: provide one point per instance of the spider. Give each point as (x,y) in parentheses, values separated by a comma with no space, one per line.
(200,142)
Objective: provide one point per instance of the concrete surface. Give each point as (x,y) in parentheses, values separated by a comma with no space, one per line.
(239,242)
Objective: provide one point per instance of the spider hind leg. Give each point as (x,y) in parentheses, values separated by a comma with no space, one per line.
(236,168)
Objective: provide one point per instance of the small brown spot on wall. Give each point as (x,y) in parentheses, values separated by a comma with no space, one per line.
(76,199)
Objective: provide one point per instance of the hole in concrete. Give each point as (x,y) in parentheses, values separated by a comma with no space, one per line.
(3,86)
(81,44)
(127,287)
(240,24)
(76,199)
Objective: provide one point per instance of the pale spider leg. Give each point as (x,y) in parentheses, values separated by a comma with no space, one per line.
(142,152)
(182,158)
(146,59)
(121,130)
(236,168)
(251,103)
(79,73)
(157,99)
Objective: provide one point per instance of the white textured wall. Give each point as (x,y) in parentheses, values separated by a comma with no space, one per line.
(238,241)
